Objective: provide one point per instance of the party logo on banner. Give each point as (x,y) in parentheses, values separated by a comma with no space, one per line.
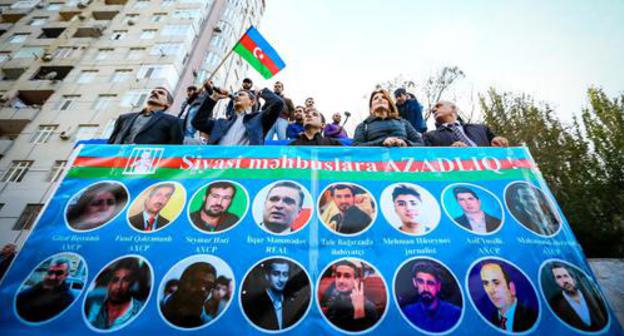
(143,161)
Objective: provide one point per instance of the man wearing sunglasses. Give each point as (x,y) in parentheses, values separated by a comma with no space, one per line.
(151,125)
(49,297)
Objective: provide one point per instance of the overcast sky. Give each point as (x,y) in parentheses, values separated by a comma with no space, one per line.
(337,50)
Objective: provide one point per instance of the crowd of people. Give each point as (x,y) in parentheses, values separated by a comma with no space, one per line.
(254,117)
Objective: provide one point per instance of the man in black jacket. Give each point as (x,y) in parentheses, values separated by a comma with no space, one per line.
(474,218)
(450,132)
(313,123)
(151,125)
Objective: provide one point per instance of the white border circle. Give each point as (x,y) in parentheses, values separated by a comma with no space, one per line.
(240,295)
(258,207)
(392,219)
(548,200)
(373,218)
(450,216)
(84,301)
(81,191)
(172,220)
(318,303)
(461,293)
(242,217)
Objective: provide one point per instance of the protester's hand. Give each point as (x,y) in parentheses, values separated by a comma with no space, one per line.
(458,144)
(398,142)
(500,142)
(364,203)
(389,142)
(218,94)
(358,299)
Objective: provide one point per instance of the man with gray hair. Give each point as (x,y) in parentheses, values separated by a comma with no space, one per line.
(452,132)
(49,297)
(151,125)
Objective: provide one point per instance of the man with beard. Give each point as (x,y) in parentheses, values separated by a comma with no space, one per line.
(296,128)
(149,219)
(185,307)
(474,218)
(273,307)
(49,297)
(351,218)
(530,207)
(430,312)
(213,215)
(344,303)
(510,314)
(573,304)
(118,307)
(281,207)
(151,125)
(313,122)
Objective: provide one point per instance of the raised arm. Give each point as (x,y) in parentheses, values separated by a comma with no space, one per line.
(272,109)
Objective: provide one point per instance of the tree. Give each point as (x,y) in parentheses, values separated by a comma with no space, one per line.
(582,171)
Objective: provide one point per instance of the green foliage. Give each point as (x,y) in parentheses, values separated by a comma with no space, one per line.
(582,164)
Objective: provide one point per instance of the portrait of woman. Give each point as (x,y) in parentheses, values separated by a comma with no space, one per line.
(96,205)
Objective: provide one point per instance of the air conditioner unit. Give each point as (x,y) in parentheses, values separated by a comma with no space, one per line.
(47,57)
(81,17)
(66,134)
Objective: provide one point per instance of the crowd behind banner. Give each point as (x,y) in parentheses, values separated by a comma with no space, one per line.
(161,239)
(254,116)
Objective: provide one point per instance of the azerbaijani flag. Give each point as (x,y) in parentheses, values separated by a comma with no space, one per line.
(259,53)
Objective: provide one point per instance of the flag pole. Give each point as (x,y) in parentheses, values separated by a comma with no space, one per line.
(225,58)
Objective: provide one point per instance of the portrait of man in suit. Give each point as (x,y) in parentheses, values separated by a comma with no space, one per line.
(531,208)
(277,296)
(474,218)
(511,313)
(149,218)
(577,305)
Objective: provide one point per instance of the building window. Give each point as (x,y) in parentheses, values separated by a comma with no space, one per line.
(19,38)
(57,170)
(134,98)
(5,56)
(54,6)
(158,17)
(148,34)
(29,52)
(103,53)
(131,19)
(67,102)
(103,101)
(16,171)
(122,75)
(28,216)
(141,4)
(87,76)
(108,129)
(64,52)
(86,132)
(24,4)
(43,134)
(38,21)
(167,49)
(176,30)
(119,35)
(136,53)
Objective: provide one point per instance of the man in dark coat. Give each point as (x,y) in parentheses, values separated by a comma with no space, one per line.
(151,125)
(47,298)
(313,122)
(574,304)
(213,216)
(410,109)
(474,218)
(245,126)
(451,132)
(150,219)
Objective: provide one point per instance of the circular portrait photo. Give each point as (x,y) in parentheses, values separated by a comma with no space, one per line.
(196,292)
(473,208)
(118,294)
(531,208)
(573,297)
(503,295)
(157,206)
(218,206)
(51,288)
(346,208)
(282,207)
(410,208)
(352,295)
(428,295)
(276,294)
(96,205)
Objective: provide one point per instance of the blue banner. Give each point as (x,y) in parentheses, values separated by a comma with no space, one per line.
(255,240)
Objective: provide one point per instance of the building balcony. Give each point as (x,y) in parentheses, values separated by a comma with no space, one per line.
(13,120)
(5,145)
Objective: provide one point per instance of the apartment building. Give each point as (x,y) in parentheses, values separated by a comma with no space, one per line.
(69,68)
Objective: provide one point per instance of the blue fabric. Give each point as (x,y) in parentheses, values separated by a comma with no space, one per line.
(412,112)
(442,319)
(293,130)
